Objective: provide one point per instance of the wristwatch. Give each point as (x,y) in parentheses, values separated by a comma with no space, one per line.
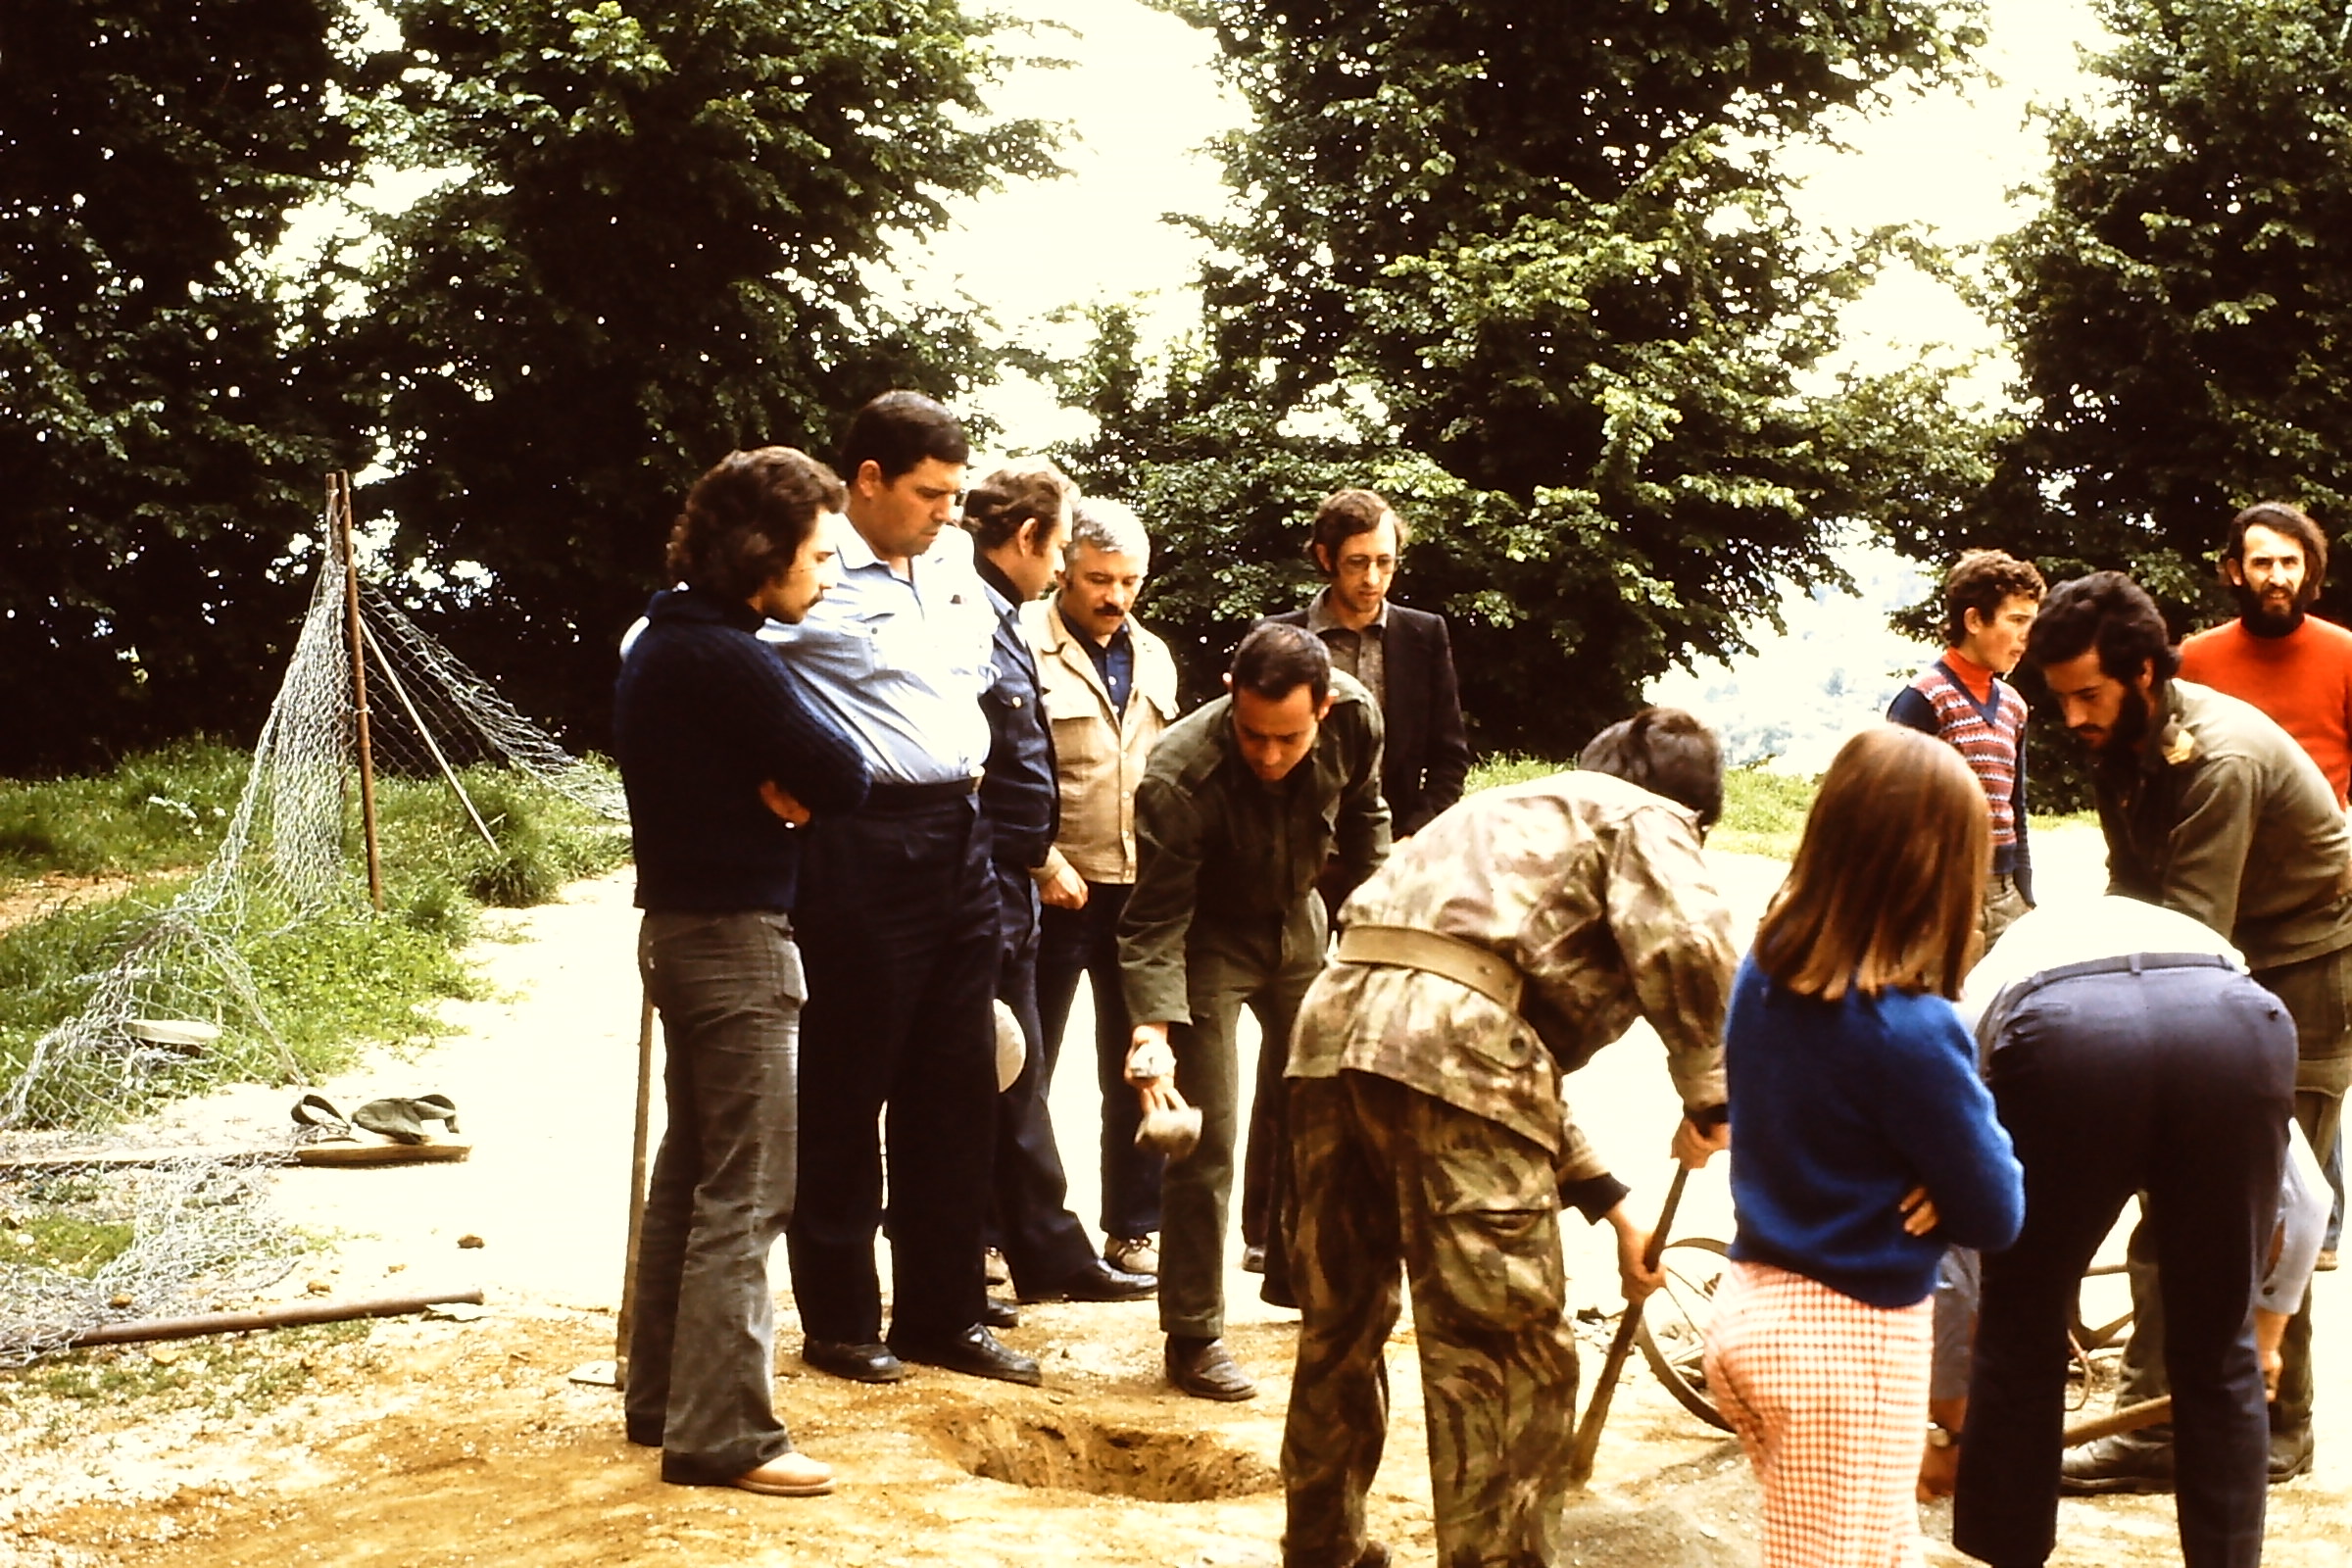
(1941,1437)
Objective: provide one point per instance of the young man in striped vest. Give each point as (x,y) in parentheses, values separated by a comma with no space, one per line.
(1989,599)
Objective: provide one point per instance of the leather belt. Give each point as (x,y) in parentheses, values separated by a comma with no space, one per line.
(1465,963)
(914,797)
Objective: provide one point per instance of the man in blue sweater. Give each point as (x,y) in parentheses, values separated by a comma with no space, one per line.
(707,729)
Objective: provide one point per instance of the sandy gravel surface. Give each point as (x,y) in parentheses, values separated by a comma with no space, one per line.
(429,1442)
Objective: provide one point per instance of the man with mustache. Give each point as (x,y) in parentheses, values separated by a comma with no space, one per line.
(2210,808)
(1109,685)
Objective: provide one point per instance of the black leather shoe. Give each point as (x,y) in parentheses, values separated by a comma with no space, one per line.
(1098,1281)
(2123,1464)
(1203,1369)
(859,1364)
(998,1313)
(2291,1455)
(977,1352)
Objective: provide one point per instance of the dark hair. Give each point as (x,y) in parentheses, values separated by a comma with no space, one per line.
(897,431)
(1275,660)
(995,508)
(2293,521)
(1667,752)
(1888,876)
(745,519)
(1343,515)
(1984,580)
(2111,612)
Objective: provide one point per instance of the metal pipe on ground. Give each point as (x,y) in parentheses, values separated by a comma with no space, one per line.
(289,1315)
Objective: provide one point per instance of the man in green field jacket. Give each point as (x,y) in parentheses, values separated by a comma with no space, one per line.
(1241,805)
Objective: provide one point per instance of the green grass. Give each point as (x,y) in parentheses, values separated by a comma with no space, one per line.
(1763,812)
(158,810)
(70,1244)
(329,981)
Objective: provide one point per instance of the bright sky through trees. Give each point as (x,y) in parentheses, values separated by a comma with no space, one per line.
(1141,98)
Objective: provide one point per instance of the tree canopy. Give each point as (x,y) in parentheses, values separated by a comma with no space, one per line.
(1532,271)
(671,234)
(2181,305)
(172,406)
(655,229)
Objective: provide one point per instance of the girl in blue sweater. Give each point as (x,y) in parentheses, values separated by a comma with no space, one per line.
(1863,1145)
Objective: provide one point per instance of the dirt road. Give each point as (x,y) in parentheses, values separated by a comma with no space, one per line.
(426,1442)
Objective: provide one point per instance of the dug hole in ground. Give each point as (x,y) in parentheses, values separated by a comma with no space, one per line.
(418,1441)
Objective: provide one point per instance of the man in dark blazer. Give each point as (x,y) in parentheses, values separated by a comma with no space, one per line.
(1406,660)
(1403,656)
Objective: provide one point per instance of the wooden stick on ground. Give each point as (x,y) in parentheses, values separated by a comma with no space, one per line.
(2128,1419)
(269,1317)
(626,1321)
(1597,1413)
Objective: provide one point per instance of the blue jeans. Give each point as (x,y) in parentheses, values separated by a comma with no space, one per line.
(702,1345)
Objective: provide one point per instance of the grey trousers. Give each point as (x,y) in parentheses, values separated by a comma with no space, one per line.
(1267,972)
(702,1345)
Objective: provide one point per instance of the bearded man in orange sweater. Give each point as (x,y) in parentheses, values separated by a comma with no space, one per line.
(2292,665)
(2277,655)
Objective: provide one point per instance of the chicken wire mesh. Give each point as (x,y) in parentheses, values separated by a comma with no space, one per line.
(177,1008)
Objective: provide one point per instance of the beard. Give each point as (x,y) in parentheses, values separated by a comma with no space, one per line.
(2119,752)
(2265,618)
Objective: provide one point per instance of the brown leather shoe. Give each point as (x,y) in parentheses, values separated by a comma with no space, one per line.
(1205,1370)
(789,1475)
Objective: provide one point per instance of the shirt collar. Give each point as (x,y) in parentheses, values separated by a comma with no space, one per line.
(1320,620)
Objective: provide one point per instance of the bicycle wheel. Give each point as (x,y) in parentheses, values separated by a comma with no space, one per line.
(1673,1330)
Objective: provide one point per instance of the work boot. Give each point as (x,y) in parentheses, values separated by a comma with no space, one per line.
(2125,1462)
(2290,1453)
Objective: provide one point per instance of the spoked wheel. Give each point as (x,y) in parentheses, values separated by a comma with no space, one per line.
(1673,1332)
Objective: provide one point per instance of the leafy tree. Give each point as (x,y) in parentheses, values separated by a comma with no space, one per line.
(668,235)
(1530,271)
(2181,305)
(171,405)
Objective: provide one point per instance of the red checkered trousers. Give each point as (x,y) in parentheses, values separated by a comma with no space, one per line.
(1829,1399)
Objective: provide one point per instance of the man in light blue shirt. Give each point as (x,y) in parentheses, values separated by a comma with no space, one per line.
(898,916)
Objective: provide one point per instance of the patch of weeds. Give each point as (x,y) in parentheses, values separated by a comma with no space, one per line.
(1763,812)
(344,976)
(67,1242)
(1507,769)
(157,810)
(224,1375)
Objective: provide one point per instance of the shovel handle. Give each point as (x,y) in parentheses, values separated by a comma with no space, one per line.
(1597,1413)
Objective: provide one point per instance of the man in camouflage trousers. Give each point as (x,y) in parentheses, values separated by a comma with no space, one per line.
(1509,940)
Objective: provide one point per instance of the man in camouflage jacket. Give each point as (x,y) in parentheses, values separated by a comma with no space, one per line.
(1428,1128)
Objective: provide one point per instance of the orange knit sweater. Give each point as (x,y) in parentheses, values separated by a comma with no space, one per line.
(2303,682)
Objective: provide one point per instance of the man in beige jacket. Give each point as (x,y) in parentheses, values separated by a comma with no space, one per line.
(1109,688)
